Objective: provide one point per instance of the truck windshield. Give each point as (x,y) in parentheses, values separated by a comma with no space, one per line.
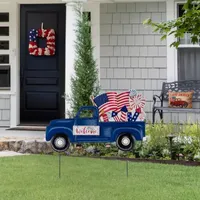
(86,114)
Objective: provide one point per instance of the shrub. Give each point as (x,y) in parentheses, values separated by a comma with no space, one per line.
(156,145)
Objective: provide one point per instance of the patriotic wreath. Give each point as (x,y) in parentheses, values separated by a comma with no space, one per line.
(49,50)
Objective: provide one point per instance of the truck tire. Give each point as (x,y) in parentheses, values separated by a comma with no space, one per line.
(125,142)
(60,143)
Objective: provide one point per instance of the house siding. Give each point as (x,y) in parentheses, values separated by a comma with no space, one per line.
(4,110)
(131,55)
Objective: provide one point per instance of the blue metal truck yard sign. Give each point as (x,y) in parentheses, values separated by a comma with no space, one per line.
(62,132)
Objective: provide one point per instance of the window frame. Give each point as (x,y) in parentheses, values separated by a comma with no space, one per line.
(181,46)
(176,16)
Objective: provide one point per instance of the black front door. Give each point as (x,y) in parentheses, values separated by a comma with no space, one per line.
(42,77)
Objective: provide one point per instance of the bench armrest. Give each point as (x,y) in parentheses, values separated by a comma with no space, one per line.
(155,98)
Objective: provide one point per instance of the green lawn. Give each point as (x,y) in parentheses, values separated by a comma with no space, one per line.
(36,178)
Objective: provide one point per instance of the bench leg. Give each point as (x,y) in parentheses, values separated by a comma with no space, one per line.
(154,113)
(153,116)
(161,115)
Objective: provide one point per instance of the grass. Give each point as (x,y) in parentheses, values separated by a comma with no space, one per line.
(35,177)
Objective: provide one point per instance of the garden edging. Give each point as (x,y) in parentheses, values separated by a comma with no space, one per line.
(21,146)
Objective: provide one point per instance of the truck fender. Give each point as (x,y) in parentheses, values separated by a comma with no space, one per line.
(59,130)
(135,132)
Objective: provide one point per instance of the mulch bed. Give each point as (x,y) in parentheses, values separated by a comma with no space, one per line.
(171,162)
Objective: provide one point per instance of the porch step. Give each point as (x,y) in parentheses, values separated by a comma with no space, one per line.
(28,128)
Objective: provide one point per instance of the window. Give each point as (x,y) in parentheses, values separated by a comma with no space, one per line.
(86,114)
(4,31)
(4,51)
(4,45)
(188,59)
(4,17)
(189,64)
(4,59)
(186,40)
(4,77)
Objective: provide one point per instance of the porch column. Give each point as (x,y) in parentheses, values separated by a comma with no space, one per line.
(171,51)
(70,46)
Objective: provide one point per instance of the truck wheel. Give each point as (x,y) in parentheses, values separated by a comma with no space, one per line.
(125,142)
(60,143)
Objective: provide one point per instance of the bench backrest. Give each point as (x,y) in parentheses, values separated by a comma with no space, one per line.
(182,86)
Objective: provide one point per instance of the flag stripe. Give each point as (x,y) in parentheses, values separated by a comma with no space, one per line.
(105,118)
(123,117)
(123,100)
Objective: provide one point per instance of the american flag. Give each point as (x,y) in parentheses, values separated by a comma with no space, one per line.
(49,34)
(116,116)
(105,117)
(135,116)
(123,117)
(33,39)
(123,100)
(106,102)
(129,116)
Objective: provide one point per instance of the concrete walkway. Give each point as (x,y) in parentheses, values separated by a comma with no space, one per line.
(8,135)
(10,153)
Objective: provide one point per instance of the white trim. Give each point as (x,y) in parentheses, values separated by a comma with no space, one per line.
(6,92)
(4,64)
(189,46)
(171,51)
(2,38)
(14,63)
(2,24)
(3,52)
(69,51)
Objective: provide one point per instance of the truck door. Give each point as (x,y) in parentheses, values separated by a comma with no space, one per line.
(86,125)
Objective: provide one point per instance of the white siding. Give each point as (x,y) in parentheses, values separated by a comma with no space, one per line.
(132,56)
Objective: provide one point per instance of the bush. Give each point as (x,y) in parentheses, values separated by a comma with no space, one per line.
(185,142)
(156,144)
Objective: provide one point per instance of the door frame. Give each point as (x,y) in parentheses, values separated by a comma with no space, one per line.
(60,60)
(14,11)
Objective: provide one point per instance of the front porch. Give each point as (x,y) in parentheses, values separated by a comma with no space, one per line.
(24,93)
(129,55)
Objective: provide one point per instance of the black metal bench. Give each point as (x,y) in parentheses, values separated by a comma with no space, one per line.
(177,86)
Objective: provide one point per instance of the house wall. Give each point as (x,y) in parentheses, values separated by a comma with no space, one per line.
(4,110)
(131,55)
